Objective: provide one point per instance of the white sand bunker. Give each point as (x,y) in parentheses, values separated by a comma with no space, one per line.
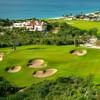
(13,69)
(45,73)
(79,52)
(37,63)
(1,56)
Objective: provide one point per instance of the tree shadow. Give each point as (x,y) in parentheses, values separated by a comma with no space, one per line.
(36,48)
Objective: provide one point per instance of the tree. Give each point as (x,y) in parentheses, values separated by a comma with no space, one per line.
(6,88)
(76,36)
(14,39)
(93,31)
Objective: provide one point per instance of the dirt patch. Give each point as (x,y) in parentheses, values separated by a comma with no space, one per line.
(78,52)
(45,73)
(1,56)
(13,69)
(37,63)
(56,30)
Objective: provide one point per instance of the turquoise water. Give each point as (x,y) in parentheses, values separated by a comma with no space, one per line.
(45,8)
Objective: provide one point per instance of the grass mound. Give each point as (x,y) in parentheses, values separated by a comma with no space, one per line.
(45,73)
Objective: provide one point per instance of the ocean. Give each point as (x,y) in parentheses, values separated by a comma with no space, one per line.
(18,9)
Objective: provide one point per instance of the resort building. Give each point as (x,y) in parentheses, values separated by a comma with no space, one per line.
(32,25)
(19,25)
(69,18)
(40,26)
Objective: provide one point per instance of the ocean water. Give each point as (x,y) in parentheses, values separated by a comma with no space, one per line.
(16,9)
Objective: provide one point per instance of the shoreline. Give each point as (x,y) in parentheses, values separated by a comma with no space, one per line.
(58,17)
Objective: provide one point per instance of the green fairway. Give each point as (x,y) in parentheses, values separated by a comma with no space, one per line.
(85,24)
(81,24)
(56,57)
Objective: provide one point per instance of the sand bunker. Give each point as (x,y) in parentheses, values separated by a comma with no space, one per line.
(1,56)
(46,73)
(37,63)
(14,69)
(79,52)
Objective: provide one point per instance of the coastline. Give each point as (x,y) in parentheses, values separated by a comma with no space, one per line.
(58,17)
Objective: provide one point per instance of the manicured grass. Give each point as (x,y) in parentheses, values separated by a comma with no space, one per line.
(85,24)
(56,57)
(81,24)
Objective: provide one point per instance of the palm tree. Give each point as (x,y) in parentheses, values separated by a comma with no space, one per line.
(13,36)
(76,35)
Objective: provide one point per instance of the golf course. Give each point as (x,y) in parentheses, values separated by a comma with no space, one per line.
(86,25)
(81,24)
(52,57)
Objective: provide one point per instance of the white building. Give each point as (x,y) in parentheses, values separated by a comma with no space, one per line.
(69,18)
(40,26)
(32,25)
(20,24)
(86,18)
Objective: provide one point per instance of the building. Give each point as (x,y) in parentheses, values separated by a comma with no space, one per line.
(40,26)
(32,25)
(19,24)
(69,18)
